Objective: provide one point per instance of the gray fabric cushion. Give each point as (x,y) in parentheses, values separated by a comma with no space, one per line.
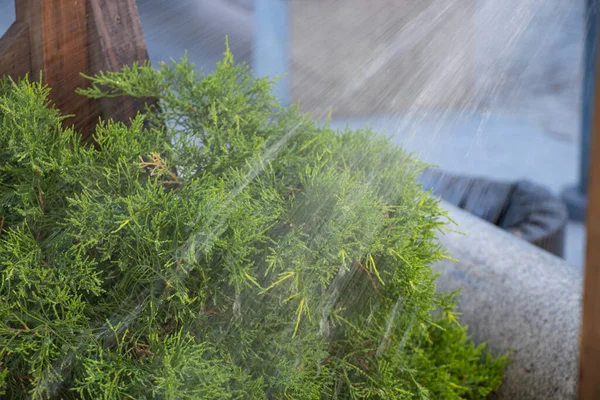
(526,209)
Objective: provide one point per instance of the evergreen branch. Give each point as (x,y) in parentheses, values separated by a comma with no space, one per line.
(359,266)
(283,277)
(298,318)
(21,330)
(371,261)
(40,198)
(156,242)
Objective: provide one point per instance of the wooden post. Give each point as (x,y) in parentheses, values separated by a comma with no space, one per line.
(589,364)
(116,39)
(58,40)
(14,51)
(65,38)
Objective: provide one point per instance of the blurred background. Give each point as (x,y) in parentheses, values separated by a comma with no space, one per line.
(481,88)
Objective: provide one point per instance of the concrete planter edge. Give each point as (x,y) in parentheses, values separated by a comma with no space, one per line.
(517,298)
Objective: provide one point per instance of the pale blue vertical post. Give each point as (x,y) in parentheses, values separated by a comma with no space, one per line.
(270,52)
(575,197)
(590,76)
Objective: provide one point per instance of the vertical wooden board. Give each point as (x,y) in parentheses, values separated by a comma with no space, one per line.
(14,51)
(589,373)
(21,10)
(589,370)
(120,32)
(58,44)
(65,49)
(116,40)
(29,12)
(70,37)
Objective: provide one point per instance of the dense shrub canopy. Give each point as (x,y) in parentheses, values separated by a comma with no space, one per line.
(220,247)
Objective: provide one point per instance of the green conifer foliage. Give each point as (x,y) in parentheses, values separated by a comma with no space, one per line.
(219,247)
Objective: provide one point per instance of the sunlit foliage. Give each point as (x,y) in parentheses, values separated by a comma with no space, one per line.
(218,247)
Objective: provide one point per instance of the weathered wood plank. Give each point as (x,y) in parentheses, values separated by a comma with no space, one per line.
(589,362)
(14,51)
(65,45)
(29,12)
(58,32)
(64,38)
(116,40)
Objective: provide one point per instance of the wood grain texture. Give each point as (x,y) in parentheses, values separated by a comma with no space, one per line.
(120,32)
(29,12)
(70,37)
(58,43)
(65,47)
(116,40)
(589,368)
(14,51)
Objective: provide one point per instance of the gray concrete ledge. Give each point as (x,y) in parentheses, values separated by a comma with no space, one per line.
(517,298)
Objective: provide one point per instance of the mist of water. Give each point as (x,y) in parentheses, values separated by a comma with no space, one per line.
(487,87)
